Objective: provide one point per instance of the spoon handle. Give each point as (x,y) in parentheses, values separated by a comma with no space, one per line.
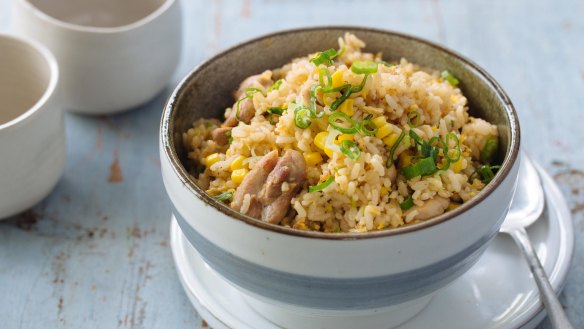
(554,309)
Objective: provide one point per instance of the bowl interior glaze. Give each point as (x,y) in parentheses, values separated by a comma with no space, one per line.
(207,91)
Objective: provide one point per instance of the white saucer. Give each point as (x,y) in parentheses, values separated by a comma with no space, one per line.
(498,292)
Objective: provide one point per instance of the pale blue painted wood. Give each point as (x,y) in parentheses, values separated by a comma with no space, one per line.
(95,254)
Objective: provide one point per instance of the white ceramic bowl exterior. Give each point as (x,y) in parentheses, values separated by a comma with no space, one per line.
(107,69)
(391,274)
(32,133)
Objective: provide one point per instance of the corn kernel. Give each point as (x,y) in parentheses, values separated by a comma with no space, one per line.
(458,166)
(379,121)
(373,210)
(320,139)
(383,191)
(344,137)
(328,207)
(238,175)
(211,159)
(328,151)
(364,94)
(347,107)
(312,158)
(405,159)
(390,140)
(383,131)
(237,163)
(380,226)
(453,205)
(338,79)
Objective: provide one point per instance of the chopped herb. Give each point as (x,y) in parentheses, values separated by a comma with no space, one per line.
(386,63)
(364,67)
(393,149)
(276,110)
(312,104)
(225,196)
(448,77)
(407,203)
(343,123)
(228,134)
(326,56)
(350,149)
(414,118)
(276,85)
(302,117)
(490,149)
(345,93)
(447,138)
(322,74)
(337,229)
(426,166)
(487,172)
(322,185)
(367,127)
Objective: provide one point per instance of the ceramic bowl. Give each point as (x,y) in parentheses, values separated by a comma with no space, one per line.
(301,279)
(113,55)
(32,134)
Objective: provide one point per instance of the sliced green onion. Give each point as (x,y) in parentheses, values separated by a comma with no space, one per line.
(276,85)
(322,185)
(337,229)
(322,73)
(312,104)
(447,138)
(416,137)
(346,124)
(302,117)
(276,110)
(367,127)
(487,172)
(326,56)
(350,149)
(344,95)
(237,105)
(394,148)
(225,196)
(451,79)
(407,203)
(228,134)
(386,63)
(364,67)
(250,91)
(424,167)
(414,118)
(361,85)
(490,149)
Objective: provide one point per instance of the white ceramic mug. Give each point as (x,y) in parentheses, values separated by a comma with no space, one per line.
(113,55)
(32,133)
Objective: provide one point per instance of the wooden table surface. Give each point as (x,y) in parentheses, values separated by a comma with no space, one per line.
(95,253)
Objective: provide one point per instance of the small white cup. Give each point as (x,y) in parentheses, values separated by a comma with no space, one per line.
(113,55)
(32,132)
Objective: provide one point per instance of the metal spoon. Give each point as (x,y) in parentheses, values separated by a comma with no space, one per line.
(526,208)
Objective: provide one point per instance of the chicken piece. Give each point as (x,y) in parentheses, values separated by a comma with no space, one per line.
(253,183)
(220,135)
(290,169)
(261,81)
(431,208)
(246,113)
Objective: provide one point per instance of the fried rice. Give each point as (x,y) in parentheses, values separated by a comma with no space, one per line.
(399,150)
